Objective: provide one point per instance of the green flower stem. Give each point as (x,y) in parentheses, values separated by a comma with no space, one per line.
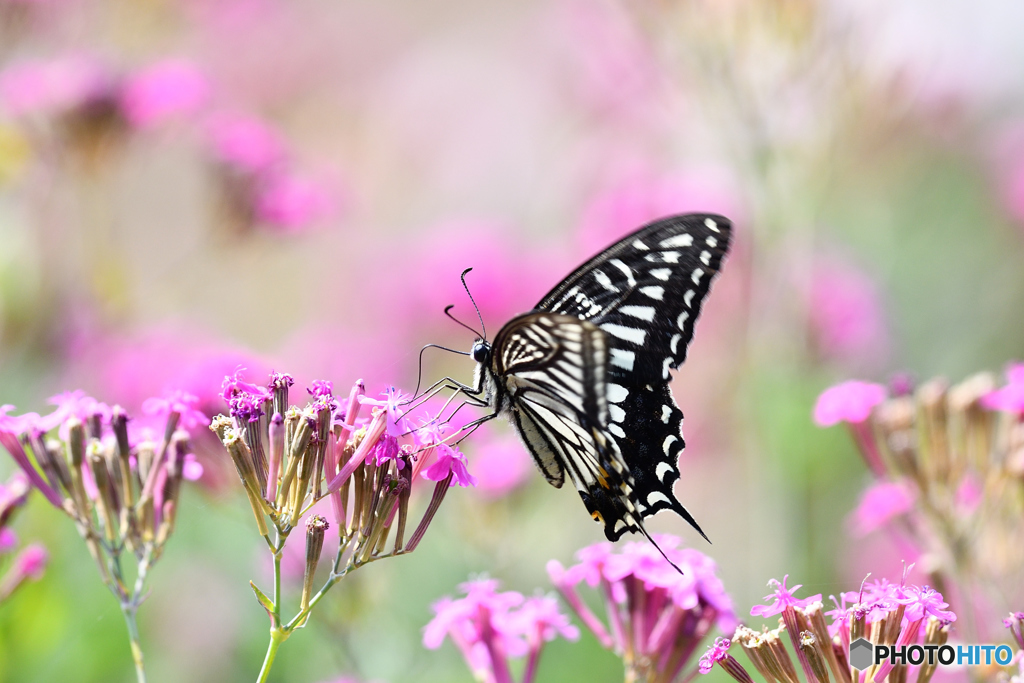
(129,610)
(277,636)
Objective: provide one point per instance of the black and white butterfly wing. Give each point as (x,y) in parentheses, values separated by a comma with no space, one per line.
(550,379)
(646,292)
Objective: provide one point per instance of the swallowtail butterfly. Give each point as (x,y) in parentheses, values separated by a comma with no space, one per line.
(583,378)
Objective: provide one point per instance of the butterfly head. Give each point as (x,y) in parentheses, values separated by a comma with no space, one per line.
(481,351)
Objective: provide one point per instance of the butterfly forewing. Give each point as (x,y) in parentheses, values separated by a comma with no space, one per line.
(646,292)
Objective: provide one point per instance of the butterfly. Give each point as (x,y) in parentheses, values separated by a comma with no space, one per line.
(583,378)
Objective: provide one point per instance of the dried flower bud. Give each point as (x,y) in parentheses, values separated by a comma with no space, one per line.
(107,503)
(316,527)
(815,657)
(76,442)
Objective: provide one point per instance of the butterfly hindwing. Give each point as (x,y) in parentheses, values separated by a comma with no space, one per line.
(552,369)
(646,292)
(651,443)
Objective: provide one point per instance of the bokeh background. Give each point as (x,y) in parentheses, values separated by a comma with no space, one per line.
(190,186)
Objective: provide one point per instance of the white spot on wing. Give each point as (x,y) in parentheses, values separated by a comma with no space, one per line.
(662,470)
(630,334)
(656,497)
(669,440)
(687,297)
(705,258)
(617,414)
(665,367)
(675,340)
(661,273)
(637,244)
(684,240)
(666,413)
(711,224)
(622,359)
(641,312)
(616,393)
(697,272)
(616,430)
(605,281)
(711,242)
(670,256)
(654,291)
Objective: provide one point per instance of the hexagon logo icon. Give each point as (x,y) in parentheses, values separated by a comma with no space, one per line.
(861,654)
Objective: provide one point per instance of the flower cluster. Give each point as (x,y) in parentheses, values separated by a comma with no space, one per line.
(489,627)
(365,455)
(257,176)
(883,612)
(657,616)
(948,468)
(31,561)
(118,479)
(91,107)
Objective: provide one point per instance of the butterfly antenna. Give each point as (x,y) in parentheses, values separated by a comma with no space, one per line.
(447,312)
(477,308)
(658,547)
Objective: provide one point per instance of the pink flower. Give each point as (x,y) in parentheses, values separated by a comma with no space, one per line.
(8,540)
(13,495)
(1009,398)
(192,470)
(73,404)
(450,461)
(488,627)
(845,311)
(52,86)
(167,89)
(180,402)
(716,653)
(881,502)
(542,615)
(292,202)
(501,465)
(782,598)
(654,611)
(392,404)
(245,143)
(31,562)
(926,602)
(1015,622)
(850,401)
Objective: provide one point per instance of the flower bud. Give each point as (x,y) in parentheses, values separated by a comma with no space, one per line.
(119,424)
(276,430)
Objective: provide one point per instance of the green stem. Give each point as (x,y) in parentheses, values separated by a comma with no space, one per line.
(277,636)
(275,618)
(129,610)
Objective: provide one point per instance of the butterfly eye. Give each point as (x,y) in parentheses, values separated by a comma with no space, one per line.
(481,351)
